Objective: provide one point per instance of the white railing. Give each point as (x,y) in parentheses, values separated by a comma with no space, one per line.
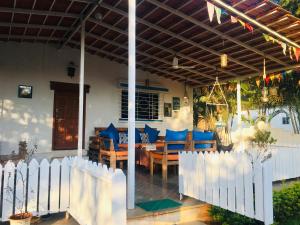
(98,195)
(90,192)
(286,162)
(40,188)
(229,181)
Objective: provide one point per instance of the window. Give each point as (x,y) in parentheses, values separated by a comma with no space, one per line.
(285,120)
(146,108)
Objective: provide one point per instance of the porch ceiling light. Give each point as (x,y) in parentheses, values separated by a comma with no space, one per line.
(71,69)
(224,60)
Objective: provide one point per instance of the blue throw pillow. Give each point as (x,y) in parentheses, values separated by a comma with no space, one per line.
(202,136)
(176,136)
(111,132)
(152,133)
(137,136)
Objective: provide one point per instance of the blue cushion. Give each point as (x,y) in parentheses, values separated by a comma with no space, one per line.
(152,133)
(202,136)
(138,138)
(176,136)
(111,132)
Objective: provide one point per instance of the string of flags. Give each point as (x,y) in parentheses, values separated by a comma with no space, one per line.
(212,10)
(274,77)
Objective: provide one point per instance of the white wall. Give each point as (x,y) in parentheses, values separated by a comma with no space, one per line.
(37,65)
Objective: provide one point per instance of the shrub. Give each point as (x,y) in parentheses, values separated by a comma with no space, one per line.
(286,203)
(286,206)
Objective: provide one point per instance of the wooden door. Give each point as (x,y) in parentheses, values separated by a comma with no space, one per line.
(65,115)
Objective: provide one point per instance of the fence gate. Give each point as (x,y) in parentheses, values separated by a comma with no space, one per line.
(228,180)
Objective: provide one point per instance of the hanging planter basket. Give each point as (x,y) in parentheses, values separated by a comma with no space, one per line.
(273,91)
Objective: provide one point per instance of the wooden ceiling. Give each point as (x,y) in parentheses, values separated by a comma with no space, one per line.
(164,28)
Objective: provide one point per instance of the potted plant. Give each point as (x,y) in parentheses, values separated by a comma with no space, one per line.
(22,217)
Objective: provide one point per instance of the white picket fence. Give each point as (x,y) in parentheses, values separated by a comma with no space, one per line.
(72,184)
(286,162)
(228,180)
(98,195)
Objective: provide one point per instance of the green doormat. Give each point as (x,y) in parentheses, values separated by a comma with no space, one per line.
(158,205)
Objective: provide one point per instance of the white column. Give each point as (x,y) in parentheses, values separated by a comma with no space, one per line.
(239,103)
(81,91)
(131,102)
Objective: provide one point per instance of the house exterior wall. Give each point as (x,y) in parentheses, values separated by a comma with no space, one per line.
(38,64)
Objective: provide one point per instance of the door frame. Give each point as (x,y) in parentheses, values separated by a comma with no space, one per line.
(72,87)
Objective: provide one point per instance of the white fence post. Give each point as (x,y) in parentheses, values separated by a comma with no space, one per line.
(267,193)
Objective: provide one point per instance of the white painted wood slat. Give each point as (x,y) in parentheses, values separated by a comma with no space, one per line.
(8,187)
(33,175)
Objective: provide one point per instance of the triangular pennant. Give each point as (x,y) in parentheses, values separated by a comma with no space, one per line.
(224,12)
(233,19)
(267,37)
(267,80)
(218,13)
(283,45)
(242,23)
(290,51)
(297,53)
(211,11)
(249,27)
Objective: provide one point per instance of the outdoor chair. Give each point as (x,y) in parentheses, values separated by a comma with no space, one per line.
(108,152)
(175,141)
(203,141)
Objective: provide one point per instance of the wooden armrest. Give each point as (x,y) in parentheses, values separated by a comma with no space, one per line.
(175,142)
(205,142)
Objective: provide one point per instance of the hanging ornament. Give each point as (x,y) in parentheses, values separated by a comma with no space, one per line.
(257,82)
(224,60)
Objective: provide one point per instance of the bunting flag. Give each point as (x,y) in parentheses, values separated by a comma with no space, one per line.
(297,53)
(233,19)
(258,82)
(291,54)
(249,27)
(283,45)
(218,13)
(242,23)
(211,11)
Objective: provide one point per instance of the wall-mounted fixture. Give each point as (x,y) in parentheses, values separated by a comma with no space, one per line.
(185,97)
(71,69)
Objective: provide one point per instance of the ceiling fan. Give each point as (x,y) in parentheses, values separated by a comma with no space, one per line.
(175,65)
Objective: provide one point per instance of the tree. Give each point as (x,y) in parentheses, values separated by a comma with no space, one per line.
(291,5)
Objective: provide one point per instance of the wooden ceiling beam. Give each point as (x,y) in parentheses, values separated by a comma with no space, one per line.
(213,30)
(83,19)
(172,34)
(140,64)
